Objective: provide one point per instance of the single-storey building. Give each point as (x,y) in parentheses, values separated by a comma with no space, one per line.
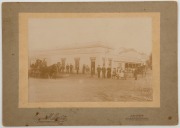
(90,56)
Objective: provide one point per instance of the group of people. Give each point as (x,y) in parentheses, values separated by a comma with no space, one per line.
(118,73)
(68,68)
(40,69)
(106,73)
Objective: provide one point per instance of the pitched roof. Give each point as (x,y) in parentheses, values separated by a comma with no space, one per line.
(87,45)
(132,55)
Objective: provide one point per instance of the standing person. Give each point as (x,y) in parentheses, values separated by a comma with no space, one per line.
(77,69)
(121,74)
(87,68)
(109,72)
(71,68)
(54,71)
(92,71)
(59,67)
(67,68)
(135,74)
(44,63)
(84,68)
(114,73)
(104,71)
(99,71)
(63,67)
(125,73)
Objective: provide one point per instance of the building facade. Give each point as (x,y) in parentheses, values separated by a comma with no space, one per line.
(89,56)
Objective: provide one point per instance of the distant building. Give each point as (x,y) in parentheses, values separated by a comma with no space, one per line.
(91,56)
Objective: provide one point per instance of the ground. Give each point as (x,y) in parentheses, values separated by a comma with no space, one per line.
(83,88)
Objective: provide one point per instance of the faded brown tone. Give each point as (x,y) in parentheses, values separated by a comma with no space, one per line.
(64,31)
(23,54)
(167,114)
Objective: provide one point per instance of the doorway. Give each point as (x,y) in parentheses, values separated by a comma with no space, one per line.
(93,66)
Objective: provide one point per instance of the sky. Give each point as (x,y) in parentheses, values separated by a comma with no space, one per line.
(129,32)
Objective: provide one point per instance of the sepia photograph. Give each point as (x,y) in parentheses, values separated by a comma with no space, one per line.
(90,58)
(89,63)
